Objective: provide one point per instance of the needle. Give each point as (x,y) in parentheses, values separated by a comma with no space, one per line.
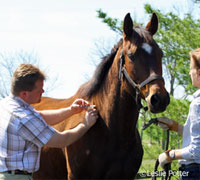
(91,106)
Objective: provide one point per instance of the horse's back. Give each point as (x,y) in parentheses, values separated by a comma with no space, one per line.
(48,103)
(53,103)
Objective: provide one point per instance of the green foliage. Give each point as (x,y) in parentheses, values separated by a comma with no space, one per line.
(176,37)
(178,111)
(113,23)
(154,138)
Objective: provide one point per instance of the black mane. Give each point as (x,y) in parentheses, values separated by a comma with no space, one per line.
(93,85)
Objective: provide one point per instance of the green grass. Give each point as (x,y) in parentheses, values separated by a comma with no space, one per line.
(151,153)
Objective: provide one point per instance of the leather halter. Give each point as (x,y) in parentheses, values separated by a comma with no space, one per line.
(137,87)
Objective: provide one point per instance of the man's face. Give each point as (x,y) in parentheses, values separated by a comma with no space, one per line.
(34,96)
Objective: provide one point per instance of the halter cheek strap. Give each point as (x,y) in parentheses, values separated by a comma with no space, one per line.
(137,87)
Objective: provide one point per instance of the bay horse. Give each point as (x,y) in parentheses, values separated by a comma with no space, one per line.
(112,148)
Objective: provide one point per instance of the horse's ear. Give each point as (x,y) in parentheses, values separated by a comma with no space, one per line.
(152,26)
(128,25)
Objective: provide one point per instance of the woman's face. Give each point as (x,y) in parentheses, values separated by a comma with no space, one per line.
(194,74)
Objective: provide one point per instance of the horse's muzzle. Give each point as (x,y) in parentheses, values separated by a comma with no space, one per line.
(158,103)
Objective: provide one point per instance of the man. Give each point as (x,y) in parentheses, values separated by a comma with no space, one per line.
(23,130)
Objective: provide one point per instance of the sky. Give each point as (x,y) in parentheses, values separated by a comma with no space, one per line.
(63,33)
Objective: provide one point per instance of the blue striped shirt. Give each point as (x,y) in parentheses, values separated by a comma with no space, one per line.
(191,133)
(23,132)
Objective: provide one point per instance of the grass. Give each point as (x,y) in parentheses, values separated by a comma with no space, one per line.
(151,153)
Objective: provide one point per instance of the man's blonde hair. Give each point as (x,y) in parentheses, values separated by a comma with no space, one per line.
(195,55)
(25,77)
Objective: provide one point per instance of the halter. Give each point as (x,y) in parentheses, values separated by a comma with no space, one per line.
(137,87)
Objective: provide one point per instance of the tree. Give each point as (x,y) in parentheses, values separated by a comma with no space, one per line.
(177,110)
(8,64)
(114,23)
(176,37)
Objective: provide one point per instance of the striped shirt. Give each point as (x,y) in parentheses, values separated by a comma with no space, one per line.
(191,133)
(23,132)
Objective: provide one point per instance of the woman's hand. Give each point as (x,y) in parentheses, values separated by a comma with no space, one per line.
(166,123)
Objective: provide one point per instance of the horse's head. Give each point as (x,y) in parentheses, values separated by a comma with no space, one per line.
(141,63)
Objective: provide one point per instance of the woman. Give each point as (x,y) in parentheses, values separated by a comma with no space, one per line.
(189,155)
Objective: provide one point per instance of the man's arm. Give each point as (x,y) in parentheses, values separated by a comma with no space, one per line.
(53,117)
(67,137)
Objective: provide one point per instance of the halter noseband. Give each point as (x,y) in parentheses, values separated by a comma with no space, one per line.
(137,87)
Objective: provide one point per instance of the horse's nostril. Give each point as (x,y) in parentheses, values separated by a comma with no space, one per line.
(154,100)
(159,103)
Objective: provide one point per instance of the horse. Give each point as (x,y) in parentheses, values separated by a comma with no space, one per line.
(112,148)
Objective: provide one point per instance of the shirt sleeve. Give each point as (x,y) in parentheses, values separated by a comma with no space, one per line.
(193,150)
(34,129)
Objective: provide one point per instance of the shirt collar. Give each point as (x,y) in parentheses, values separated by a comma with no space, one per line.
(196,94)
(20,101)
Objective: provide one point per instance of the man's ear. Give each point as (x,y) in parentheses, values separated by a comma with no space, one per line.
(23,94)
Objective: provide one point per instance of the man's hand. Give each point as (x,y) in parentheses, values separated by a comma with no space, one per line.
(166,123)
(77,106)
(164,158)
(67,137)
(90,118)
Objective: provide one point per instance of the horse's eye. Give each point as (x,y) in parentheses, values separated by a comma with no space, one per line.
(132,57)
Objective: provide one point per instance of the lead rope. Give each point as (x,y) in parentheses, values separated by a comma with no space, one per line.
(167,167)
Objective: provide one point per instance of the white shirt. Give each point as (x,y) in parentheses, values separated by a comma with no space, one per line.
(191,133)
(22,134)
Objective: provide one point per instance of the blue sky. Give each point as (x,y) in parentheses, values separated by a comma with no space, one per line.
(63,32)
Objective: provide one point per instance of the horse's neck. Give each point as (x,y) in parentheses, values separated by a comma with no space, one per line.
(117,108)
(128,114)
